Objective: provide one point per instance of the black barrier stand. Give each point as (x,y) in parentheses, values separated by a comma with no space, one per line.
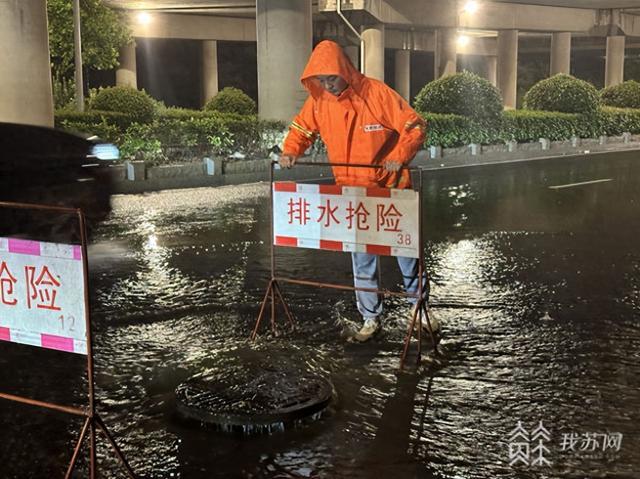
(274,293)
(92,418)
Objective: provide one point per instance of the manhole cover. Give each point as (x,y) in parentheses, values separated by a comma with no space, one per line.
(253,400)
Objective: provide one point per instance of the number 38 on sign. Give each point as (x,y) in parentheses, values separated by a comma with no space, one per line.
(380,221)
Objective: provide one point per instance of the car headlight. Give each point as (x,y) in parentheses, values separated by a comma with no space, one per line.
(105,151)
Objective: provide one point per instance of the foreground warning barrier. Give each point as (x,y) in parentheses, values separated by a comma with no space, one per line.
(41,295)
(44,302)
(382,221)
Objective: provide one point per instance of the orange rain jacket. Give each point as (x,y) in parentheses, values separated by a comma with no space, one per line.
(367,124)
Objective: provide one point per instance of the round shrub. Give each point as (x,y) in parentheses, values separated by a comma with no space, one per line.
(563,93)
(624,95)
(123,99)
(464,94)
(232,100)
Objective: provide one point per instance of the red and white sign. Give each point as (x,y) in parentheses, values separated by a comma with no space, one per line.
(381,221)
(42,295)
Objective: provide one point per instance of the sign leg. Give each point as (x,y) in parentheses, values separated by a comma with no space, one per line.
(76,451)
(261,313)
(419,310)
(115,447)
(92,450)
(419,306)
(273,309)
(284,306)
(407,340)
(434,342)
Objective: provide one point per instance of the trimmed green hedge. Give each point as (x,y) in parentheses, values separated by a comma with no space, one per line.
(175,113)
(248,132)
(624,95)
(448,130)
(616,121)
(563,93)
(232,100)
(464,93)
(123,99)
(527,126)
(178,134)
(108,125)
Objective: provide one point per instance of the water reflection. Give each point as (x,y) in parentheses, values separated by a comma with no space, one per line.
(538,288)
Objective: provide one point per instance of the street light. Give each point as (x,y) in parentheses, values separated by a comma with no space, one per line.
(463,40)
(143,18)
(470,7)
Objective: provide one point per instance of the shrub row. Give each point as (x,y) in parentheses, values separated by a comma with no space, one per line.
(143,108)
(528,125)
(469,95)
(144,128)
(177,134)
(94,122)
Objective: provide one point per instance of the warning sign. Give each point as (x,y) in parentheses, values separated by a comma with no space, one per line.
(381,221)
(42,297)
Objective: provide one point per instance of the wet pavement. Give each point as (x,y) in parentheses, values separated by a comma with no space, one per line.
(537,285)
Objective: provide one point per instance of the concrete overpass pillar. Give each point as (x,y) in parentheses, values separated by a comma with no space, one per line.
(614,68)
(283,29)
(373,36)
(209,70)
(403,73)
(445,57)
(126,71)
(353,52)
(560,53)
(26,95)
(491,69)
(507,76)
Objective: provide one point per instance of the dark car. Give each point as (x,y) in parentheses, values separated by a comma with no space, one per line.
(41,165)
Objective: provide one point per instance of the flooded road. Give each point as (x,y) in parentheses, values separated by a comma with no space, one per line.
(535,271)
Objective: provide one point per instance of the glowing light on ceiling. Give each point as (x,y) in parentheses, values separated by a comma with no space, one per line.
(463,40)
(143,18)
(470,7)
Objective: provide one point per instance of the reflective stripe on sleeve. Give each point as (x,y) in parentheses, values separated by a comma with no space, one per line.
(309,134)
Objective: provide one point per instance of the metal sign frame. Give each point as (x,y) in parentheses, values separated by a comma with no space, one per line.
(92,421)
(274,293)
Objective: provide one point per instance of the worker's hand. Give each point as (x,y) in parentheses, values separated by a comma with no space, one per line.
(287,161)
(392,165)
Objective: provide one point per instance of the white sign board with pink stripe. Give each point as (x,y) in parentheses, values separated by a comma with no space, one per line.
(381,221)
(42,297)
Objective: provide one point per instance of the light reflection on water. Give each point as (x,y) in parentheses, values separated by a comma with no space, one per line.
(538,292)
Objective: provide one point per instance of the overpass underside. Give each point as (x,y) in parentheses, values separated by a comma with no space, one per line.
(495,33)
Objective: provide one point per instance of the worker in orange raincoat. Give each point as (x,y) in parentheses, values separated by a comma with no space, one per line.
(362,122)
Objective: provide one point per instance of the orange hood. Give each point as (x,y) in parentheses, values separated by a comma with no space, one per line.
(328,58)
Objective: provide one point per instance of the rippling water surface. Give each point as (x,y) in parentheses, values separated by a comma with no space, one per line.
(538,288)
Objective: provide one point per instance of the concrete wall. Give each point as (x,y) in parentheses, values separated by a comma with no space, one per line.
(196,27)
(284,37)
(25,80)
(490,16)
